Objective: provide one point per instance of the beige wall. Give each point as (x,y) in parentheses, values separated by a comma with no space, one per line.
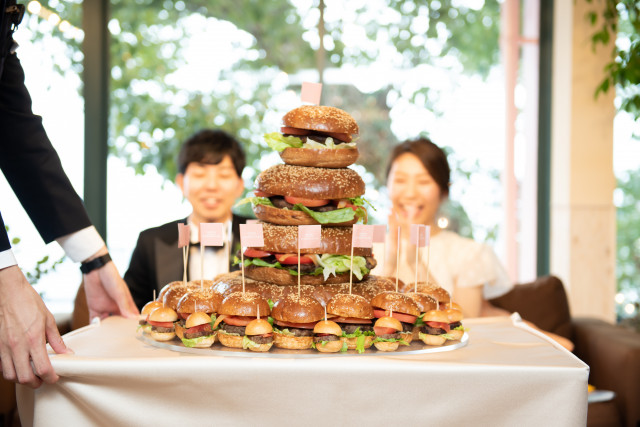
(582,181)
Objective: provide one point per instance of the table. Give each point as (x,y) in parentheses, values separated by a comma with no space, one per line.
(507,375)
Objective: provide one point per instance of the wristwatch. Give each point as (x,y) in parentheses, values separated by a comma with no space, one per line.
(89,266)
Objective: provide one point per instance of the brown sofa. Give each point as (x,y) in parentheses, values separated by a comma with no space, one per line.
(612,352)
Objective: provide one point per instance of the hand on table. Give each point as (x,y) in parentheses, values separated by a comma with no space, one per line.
(25,327)
(108,294)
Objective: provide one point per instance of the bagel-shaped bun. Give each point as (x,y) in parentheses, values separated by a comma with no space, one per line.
(310,183)
(244,304)
(397,302)
(296,309)
(228,340)
(321,118)
(425,302)
(292,343)
(283,278)
(290,217)
(283,239)
(350,305)
(320,158)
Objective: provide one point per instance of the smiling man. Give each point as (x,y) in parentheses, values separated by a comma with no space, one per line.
(210,166)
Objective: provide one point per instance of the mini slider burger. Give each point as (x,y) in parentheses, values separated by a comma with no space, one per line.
(198,300)
(298,195)
(328,338)
(316,135)
(400,306)
(237,310)
(440,326)
(388,334)
(258,335)
(144,315)
(277,261)
(354,314)
(161,321)
(198,331)
(294,320)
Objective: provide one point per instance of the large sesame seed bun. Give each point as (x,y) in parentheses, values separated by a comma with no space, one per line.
(397,302)
(432,289)
(350,305)
(322,119)
(425,302)
(283,239)
(244,304)
(296,309)
(205,300)
(310,182)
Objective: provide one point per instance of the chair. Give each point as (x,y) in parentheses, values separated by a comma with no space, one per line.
(612,352)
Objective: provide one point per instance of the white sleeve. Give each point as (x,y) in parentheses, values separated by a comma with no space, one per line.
(7,259)
(81,244)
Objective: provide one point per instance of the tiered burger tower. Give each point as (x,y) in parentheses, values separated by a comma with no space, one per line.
(314,186)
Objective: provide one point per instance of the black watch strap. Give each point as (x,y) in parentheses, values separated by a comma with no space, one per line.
(89,266)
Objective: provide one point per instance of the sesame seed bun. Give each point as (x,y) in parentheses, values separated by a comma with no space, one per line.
(346,305)
(425,302)
(297,310)
(244,304)
(321,118)
(397,302)
(204,300)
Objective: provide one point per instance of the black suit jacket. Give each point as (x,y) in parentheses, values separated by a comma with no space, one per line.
(157,260)
(31,165)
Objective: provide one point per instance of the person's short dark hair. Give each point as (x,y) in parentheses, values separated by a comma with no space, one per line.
(210,146)
(432,157)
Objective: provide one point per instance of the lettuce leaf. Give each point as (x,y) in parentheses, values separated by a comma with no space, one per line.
(419,321)
(336,264)
(279,142)
(247,343)
(335,216)
(446,336)
(254,201)
(329,144)
(191,342)
(399,341)
(283,332)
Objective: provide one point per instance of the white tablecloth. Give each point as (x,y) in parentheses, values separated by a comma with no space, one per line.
(506,376)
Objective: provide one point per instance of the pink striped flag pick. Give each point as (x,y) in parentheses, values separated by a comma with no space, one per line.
(211,234)
(362,236)
(309,236)
(311,92)
(419,235)
(379,233)
(251,235)
(184,235)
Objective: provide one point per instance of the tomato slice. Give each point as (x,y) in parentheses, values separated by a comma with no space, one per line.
(294,131)
(295,325)
(379,330)
(345,137)
(352,320)
(439,325)
(311,203)
(255,253)
(406,318)
(161,324)
(238,320)
(199,328)
(293,259)
(260,193)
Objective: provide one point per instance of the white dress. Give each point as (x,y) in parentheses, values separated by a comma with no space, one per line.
(454,262)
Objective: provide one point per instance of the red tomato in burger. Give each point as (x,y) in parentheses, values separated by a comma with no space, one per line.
(294,131)
(344,137)
(293,259)
(238,320)
(200,328)
(439,325)
(310,203)
(406,318)
(260,193)
(255,253)
(295,325)
(351,320)
(161,324)
(379,330)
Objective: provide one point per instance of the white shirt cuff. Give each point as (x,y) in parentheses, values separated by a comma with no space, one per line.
(82,244)
(7,259)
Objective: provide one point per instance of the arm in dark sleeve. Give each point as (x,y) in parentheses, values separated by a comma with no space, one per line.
(139,275)
(30,163)
(4,239)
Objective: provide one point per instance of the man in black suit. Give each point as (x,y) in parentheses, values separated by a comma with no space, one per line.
(210,167)
(33,169)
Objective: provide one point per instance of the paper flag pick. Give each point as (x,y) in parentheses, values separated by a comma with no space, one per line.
(362,236)
(212,234)
(379,233)
(252,221)
(419,235)
(184,235)
(311,92)
(251,235)
(309,236)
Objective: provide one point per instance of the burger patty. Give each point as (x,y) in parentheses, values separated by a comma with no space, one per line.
(395,336)
(161,330)
(325,338)
(433,331)
(350,328)
(407,327)
(197,334)
(454,325)
(298,332)
(231,329)
(259,339)
(280,202)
